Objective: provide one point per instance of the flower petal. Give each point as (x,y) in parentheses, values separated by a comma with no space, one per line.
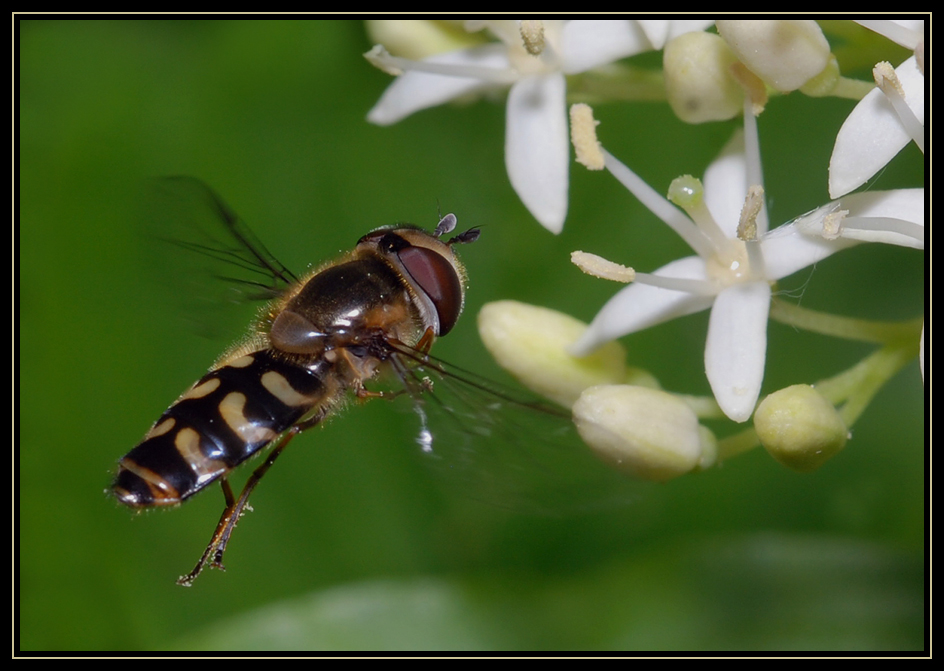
(660,31)
(589,44)
(736,349)
(537,147)
(886,208)
(794,246)
(873,134)
(893,217)
(415,90)
(640,306)
(726,185)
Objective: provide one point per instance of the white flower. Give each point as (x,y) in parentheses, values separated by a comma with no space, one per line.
(886,119)
(532,59)
(733,269)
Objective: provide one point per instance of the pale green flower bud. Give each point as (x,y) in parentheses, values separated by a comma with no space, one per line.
(785,54)
(418,39)
(698,79)
(530,343)
(646,433)
(800,428)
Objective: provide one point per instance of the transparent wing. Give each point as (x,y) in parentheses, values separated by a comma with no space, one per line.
(503,446)
(208,257)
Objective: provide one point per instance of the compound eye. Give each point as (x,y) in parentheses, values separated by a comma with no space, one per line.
(438,279)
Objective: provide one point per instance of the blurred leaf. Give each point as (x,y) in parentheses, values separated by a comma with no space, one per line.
(761,593)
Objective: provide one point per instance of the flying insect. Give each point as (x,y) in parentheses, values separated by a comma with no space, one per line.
(321,337)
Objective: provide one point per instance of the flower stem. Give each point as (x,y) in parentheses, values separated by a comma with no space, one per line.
(616,83)
(859,384)
(852,89)
(739,443)
(845,327)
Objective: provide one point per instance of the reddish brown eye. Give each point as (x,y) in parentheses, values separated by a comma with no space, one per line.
(437,277)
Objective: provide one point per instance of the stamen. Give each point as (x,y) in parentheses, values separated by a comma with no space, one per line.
(747,229)
(832,224)
(700,287)
(600,267)
(659,206)
(897,231)
(583,135)
(754,87)
(381,59)
(532,34)
(747,223)
(753,166)
(887,80)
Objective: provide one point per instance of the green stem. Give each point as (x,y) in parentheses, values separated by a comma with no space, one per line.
(859,384)
(616,83)
(704,407)
(845,327)
(853,89)
(739,443)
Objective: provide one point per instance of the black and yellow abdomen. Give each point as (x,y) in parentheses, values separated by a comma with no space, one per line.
(226,417)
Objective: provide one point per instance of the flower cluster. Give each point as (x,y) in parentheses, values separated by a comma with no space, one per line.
(711,71)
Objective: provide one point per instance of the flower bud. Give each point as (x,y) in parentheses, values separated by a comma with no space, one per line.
(418,39)
(646,433)
(784,53)
(530,343)
(800,428)
(698,80)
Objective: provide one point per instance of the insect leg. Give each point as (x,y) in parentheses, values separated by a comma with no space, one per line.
(426,341)
(227,492)
(234,510)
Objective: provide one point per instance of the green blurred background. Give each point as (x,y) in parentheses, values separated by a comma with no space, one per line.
(354,543)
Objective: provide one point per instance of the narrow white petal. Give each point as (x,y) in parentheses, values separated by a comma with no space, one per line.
(905,32)
(660,31)
(589,44)
(893,217)
(640,306)
(736,348)
(873,134)
(414,90)
(906,204)
(788,249)
(537,147)
(726,185)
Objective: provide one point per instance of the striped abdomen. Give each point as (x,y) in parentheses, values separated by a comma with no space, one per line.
(230,414)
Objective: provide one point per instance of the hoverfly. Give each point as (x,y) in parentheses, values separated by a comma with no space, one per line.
(320,339)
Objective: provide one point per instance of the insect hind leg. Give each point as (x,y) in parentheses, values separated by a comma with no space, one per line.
(234,510)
